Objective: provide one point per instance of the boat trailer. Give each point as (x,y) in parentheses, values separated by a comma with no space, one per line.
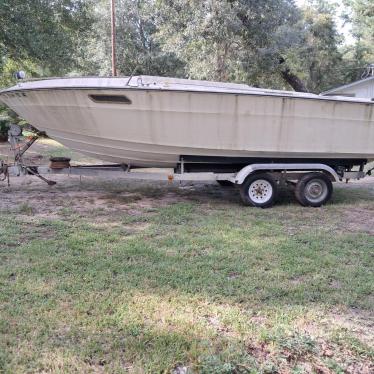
(258,183)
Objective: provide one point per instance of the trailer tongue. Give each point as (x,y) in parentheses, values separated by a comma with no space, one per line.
(258,182)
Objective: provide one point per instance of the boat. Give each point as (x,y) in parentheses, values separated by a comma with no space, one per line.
(147,121)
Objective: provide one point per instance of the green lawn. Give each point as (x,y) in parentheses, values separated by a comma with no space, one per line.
(108,277)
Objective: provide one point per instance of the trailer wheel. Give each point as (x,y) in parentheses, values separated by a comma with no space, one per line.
(259,190)
(313,189)
(225,183)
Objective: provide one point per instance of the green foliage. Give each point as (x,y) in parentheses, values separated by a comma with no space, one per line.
(43,32)
(3,128)
(225,40)
(316,57)
(5,120)
(10,66)
(253,42)
(138,49)
(361,16)
(7,116)
(269,43)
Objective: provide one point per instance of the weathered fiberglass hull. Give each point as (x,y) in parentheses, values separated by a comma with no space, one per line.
(152,122)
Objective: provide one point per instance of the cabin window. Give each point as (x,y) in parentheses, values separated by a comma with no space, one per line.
(111,99)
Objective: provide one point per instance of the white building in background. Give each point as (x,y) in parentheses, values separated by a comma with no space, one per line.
(363,88)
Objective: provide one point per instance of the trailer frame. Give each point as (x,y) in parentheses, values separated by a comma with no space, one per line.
(254,180)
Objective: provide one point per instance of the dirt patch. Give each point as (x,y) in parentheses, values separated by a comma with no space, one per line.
(358,322)
(97,202)
(359,219)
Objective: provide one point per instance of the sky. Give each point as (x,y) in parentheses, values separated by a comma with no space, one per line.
(344,29)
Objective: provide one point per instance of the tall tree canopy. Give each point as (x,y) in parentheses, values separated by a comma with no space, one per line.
(44,32)
(269,43)
(138,49)
(361,15)
(266,43)
(316,56)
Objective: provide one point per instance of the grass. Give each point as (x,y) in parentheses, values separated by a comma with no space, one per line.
(111,277)
(47,148)
(205,285)
(43,150)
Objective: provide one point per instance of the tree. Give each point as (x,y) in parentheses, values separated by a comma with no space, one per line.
(270,43)
(361,15)
(316,57)
(43,32)
(223,39)
(138,50)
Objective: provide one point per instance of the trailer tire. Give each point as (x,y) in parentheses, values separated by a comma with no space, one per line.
(314,190)
(226,183)
(259,190)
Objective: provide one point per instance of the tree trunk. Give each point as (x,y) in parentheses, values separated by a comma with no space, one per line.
(292,79)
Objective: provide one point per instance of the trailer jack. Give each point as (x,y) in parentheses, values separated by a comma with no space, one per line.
(33,171)
(19,145)
(4,172)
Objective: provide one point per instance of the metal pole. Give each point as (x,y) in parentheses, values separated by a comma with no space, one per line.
(113,12)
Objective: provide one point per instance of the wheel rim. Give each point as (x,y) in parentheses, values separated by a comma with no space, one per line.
(260,191)
(316,190)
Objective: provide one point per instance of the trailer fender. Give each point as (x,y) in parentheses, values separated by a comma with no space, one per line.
(250,169)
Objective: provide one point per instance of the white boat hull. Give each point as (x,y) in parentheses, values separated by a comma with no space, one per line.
(163,124)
